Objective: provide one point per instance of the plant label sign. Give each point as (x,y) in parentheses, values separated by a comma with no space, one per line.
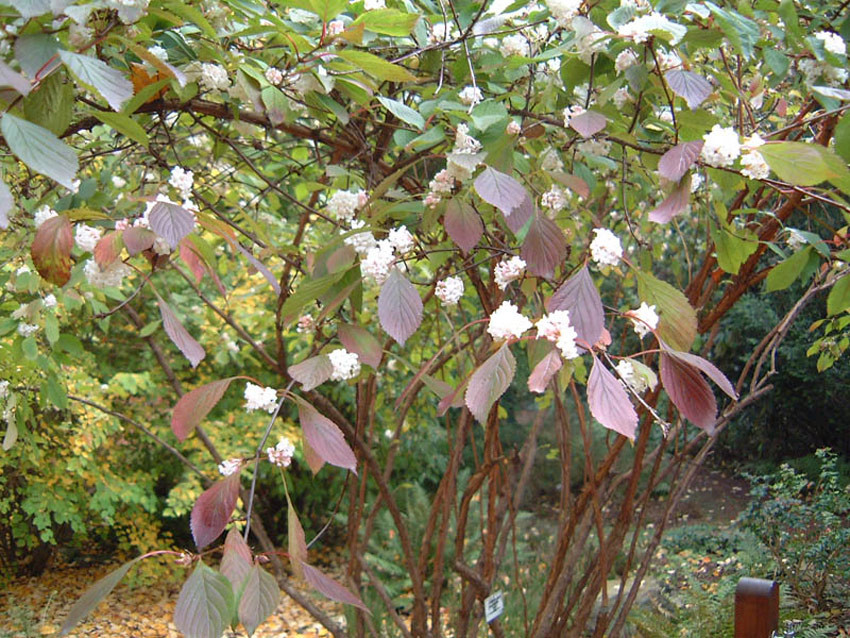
(494,605)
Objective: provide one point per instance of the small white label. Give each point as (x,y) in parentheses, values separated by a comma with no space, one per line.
(494,605)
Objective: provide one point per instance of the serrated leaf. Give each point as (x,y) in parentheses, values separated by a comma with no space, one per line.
(40,149)
(236,560)
(801,163)
(689,392)
(399,307)
(708,369)
(213,509)
(463,225)
(678,160)
(489,382)
(138,239)
(544,371)
(125,125)
(93,595)
(588,124)
(260,596)
(179,336)
(377,67)
(170,221)
(544,248)
(403,112)
(580,297)
(7,204)
(108,248)
(312,372)
(51,104)
(678,323)
(500,190)
(34,52)
(786,272)
(296,542)
(328,587)
(732,251)
(675,203)
(609,402)
(51,250)
(387,22)
(360,341)
(690,86)
(99,77)
(194,406)
(13,80)
(839,297)
(205,605)
(325,438)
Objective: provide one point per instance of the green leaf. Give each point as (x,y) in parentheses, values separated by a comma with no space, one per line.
(487,114)
(388,22)
(801,163)
(51,329)
(275,102)
(786,272)
(205,605)
(777,61)
(193,15)
(97,592)
(742,32)
(51,104)
(678,320)
(125,125)
(34,51)
(259,598)
(842,137)
(732,250)
(839,297)
(377,67)
(403,112)
(150,328)
(308,291)
(99,77)
(55,392)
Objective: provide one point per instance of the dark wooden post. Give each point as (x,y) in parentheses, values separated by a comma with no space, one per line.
(756,608)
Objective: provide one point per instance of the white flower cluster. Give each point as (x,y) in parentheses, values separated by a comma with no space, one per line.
(556,327)
(439,32)
(381,255)
(470,95)
(507,321)
(605,249)
(43,214)
(27,329)
(213,77)
(372,5)
(400,239)
(508,270)
(49,301)
(514,44)
(630,376)
(344,204)
(274,76)
(621,97)
(795,239)
(625,59)
(554,199)
(182,180)
(564,10)
(346,365)
(460,163)
(229,466)
(305,324)
(570,112)
(513,128)
(640,29)
(832,42)
(282,453)
(449,290)
(589,39)
(643,319)
(361,242)
(752,161)
(109,277)
(721,146)
(129,11)
(86,237)
(260,398)
(335,27)
(159,53)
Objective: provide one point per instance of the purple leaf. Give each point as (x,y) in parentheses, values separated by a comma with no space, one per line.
(588,124)
(260,266)
(190,256)
(195,405)
(443,389)
(237,559)
(580,297)
(297,544)
(689,391)
(544,371)
(687,84)
(573,182)
(675,163)
(325,438)
(51,250)
(544,247)
(463,225)
(609,402)
(93,595)
(675,203)
(212,510)
(708,369)
(205,605)
(500,190)
(361,342)
(137,240)
(260,596)
(312,372)
(181,338)
(521,215)
(489,382)
(314,461)
(399,307)
(453,399)
(329,587)
(108,248)
(170,221)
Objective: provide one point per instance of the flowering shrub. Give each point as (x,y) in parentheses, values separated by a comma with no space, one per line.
(358,213)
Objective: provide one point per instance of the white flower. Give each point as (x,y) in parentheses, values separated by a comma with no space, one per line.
(49,301)
(439,32)
(554,199)
(643,319)
(161,246)
(361,242)
(570,112)
(344,204)
(514,44)
(214,77)
(86,237)
(43,214)
(401,239)
(274,76)
(513,128)
(118,182)
(335,27)
(832,42)
(665,114)
(79,35)
(605,249)
(260,398)
(4,389)
(158,52)
(506,322)
(182,180)
(640,29)
(23,270)
(470,95)
(229,466)
(556,327)
(305,324)
(696,182)
(449,290)
(110,277)
(625,59)
(508,270)
(621,97)
(721,146)
(346,365)
(564,10)
(378,261)
(371,5)
(795,239)
(754,166)
(27,329)
(281,454)
(630,376)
